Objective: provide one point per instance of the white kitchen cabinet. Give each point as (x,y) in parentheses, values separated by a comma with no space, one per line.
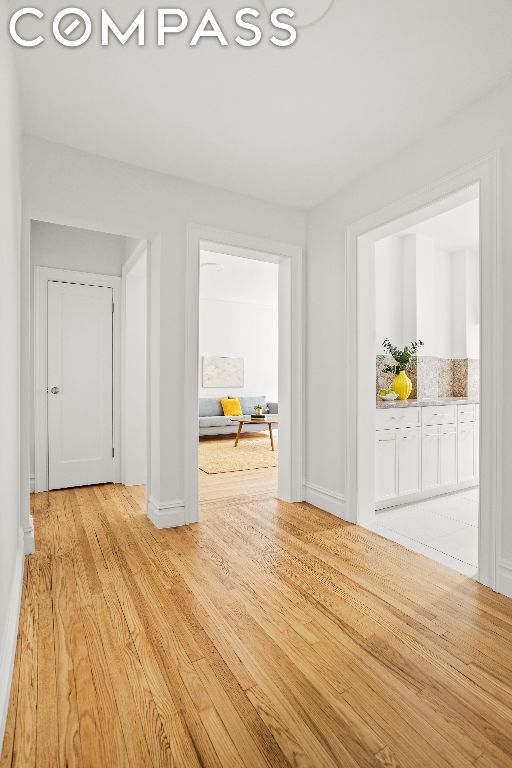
(398,418)
(477,441)
(409,460)
(467,461)
(448,455)
(430,458)
(438,456)
(436,415)
(424,451)
(386,478)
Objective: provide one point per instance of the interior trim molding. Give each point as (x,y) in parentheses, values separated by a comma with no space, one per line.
(10,634)
(504,578)
(360,237)
(142,249)
(329,501)
(166,514)
(32,483)
(291,358)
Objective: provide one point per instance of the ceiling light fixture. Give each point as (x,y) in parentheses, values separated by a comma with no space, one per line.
(308,12)
(213,266)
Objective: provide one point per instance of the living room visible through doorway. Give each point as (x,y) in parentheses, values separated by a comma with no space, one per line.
(238,375)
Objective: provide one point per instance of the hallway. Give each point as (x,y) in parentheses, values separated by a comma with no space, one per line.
(268,635)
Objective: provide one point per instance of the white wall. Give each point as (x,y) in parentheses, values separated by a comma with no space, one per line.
(482,128)
(74,188)
(237,329)
(424,292)
(238,317)
(82,250)
(434,294)
(134,419)
(11,539)
(395,292)
(466,303)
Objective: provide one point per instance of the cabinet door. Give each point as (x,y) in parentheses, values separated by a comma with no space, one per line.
(477,442)
(448,455)
(409,467)
(430,458)
(466,453)
(385,466)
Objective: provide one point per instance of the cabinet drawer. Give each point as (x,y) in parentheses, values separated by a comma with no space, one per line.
(437,415)
(466,413)
(393,418)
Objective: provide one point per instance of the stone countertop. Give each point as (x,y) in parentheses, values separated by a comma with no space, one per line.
(423,403)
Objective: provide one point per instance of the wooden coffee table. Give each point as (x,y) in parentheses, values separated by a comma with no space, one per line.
(247,420)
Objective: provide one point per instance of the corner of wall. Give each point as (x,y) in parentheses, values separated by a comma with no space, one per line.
(9,636)
(328,501)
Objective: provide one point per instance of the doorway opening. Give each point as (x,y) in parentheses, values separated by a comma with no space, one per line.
(479,180)
(238,375)
(289,262)
(88,357)
(427,293)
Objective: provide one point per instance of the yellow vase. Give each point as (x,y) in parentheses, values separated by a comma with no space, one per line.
(402,385)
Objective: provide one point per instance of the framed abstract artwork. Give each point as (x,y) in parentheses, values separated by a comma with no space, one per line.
(223,372)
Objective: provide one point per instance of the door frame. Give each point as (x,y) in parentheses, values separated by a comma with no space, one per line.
(143,248)
(43,275)
(360,405)
(291,355)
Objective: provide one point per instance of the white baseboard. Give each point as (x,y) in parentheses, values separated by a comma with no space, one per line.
(10,635)
(167,514)
(32,482)
(130,482)
(329,501)
(412,498)
(504,578)
(28,537)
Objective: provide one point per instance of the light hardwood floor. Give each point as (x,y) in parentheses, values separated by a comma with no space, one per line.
(269,635)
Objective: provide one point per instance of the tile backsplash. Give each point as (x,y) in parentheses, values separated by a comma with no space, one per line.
(435,377)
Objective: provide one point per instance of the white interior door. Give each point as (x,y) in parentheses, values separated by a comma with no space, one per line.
(80,399)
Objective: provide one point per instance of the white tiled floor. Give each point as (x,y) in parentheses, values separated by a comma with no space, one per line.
(444,529)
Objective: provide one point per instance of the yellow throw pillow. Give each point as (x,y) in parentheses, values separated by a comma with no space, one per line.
(231,407)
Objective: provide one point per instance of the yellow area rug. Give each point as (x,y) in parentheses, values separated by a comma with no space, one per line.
(218,456)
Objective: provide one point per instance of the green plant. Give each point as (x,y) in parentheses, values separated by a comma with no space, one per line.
(402,357)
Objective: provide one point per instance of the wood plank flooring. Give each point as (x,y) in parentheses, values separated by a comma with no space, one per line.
(268,635)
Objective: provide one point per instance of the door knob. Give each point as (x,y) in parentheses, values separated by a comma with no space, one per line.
(55,390)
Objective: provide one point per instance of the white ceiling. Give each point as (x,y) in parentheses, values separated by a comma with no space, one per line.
(291,125)
(454,230)
(242,280)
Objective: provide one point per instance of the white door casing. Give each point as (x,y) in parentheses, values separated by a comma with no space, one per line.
(291,359)
(80,377)
(360,237)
